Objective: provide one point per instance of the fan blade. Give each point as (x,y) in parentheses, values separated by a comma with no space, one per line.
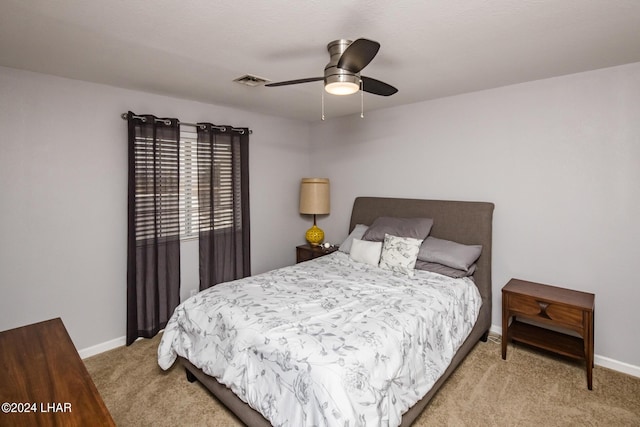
(295,82)
(358,55)
(377,87)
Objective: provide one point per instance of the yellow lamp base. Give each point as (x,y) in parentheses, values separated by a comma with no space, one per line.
(314,235)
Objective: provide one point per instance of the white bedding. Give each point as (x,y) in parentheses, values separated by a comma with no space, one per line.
(326,342)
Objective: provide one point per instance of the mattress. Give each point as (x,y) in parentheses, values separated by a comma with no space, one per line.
(325,342)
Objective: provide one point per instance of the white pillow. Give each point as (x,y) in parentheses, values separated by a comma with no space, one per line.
(357,233)
(364,251)
(399,254)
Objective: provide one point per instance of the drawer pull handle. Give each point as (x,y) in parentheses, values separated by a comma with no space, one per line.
(543,309)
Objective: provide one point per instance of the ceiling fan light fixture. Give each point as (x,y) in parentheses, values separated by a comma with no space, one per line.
(342,84)
(342,88)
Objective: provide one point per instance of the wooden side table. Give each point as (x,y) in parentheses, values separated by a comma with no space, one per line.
(549,307)
(307,252)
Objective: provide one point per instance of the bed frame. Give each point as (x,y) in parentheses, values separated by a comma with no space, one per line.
(463,222)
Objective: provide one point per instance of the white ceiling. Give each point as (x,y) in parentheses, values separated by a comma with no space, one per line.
(430,48)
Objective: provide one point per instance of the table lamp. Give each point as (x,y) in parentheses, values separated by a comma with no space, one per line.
(314,200)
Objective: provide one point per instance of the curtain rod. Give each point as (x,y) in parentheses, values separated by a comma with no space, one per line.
(221,128)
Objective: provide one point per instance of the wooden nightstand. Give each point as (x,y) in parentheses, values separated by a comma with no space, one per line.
(307,252)
(558,308)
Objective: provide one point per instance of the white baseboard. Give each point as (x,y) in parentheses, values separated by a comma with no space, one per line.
(598,360)
(101,348)
(496,329)
(616,365)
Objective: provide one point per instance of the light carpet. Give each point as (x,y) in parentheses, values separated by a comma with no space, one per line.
(530,388)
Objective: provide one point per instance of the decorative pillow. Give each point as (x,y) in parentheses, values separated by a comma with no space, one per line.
(451,254)
(367,252)
(399,254)
(444,270)
(357,233)
(416,228)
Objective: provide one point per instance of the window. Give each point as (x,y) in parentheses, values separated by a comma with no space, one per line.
(162,191)
(156,183)
(192,213)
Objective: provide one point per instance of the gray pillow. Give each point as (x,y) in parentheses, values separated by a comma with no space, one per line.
(451,254)
(444,270)
(357,233)
(415,228)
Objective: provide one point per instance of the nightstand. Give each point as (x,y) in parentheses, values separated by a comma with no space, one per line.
(307,252)
(561,320)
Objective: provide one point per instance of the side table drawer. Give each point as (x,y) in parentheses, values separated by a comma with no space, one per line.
(569,316)
(524,304)
(534,308)
(302,255)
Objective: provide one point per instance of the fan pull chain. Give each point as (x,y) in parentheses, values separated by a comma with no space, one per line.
(323,104)
(361,101)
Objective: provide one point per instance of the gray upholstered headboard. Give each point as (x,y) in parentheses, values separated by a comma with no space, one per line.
(462,222)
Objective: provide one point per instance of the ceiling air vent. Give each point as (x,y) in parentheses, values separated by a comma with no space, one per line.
(249,80)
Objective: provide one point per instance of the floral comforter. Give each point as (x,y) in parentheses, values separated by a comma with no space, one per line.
(327,342)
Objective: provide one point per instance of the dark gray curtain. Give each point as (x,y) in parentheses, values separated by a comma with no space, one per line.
(223,203)
(153,246)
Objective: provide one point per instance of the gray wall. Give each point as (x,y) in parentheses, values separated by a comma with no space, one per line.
(560,158)
(63,192)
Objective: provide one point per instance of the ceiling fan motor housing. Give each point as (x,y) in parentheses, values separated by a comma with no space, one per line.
(337,80)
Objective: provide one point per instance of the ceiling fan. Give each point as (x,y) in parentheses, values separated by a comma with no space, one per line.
(342,73)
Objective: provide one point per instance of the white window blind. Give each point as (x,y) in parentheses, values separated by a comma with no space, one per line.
(156,180)
(217,213)
(189,218)
(193,213)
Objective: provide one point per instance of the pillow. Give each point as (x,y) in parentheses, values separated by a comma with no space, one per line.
(367,252)
(357,233)
(444,270)
(416,228)
(451,254)
(399,254)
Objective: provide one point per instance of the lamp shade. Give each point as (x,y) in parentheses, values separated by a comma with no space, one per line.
(314,196)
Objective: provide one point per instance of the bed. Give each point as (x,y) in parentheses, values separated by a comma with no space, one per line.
(468,223)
